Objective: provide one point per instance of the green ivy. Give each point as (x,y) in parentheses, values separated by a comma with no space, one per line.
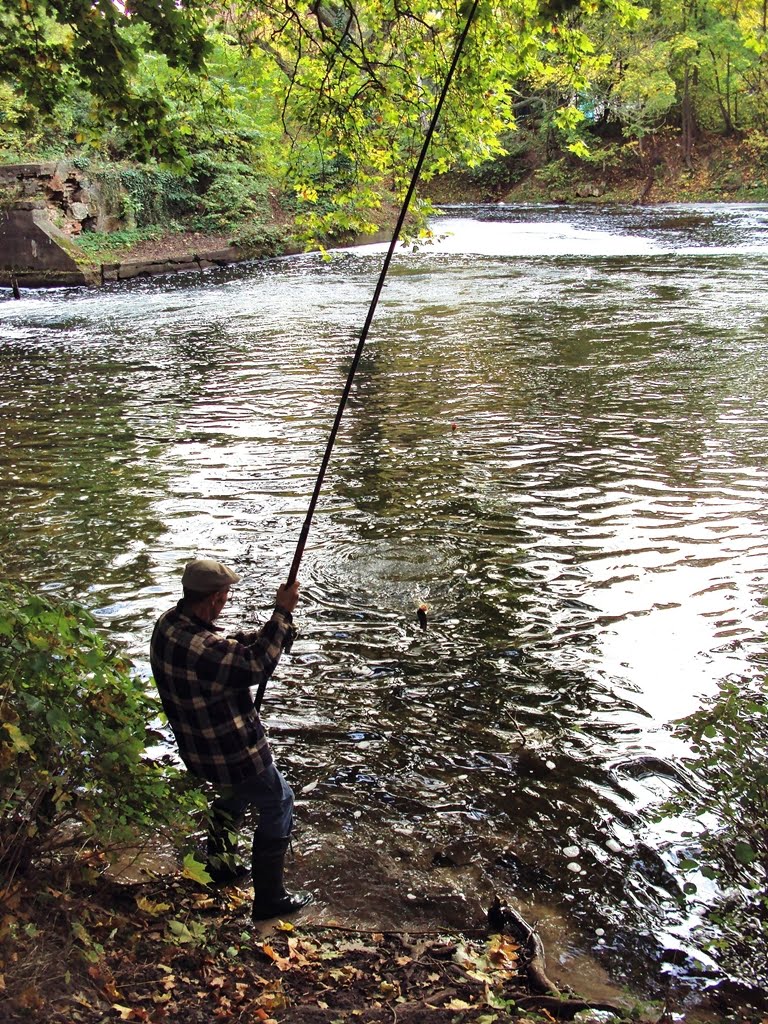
(230,192)
(145,196)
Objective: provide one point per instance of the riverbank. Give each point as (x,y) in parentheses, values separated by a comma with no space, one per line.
(655,172)
(652,171)
(170,950)
(81,946)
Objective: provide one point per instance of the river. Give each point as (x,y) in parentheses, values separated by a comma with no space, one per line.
(556,439)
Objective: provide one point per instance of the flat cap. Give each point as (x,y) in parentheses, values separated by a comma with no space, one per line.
(205,575)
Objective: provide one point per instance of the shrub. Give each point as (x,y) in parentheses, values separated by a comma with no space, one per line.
(230,193)
(259,240)
(74,733)
(729,737)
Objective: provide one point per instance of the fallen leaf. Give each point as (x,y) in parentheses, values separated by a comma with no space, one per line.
(29,999)
(225,1007)
(203,902)
(180,931)
(126,1013)
(500,948)
(10,897)
(312,785)
(273,996)
(150,907)
(297,951)
(195,869)
(280,961)
(285,926)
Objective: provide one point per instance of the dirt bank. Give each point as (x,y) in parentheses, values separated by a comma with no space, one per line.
(733,169)
(169,950)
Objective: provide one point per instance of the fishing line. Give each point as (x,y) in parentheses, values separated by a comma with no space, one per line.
(293,572)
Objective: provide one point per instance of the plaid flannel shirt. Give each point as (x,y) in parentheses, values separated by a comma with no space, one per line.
(204,680)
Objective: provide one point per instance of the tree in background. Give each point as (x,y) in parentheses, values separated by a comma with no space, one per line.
(50,49)
(690,64)
(351,85)
(328,100)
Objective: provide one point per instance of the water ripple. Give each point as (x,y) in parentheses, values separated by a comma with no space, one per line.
(555,440)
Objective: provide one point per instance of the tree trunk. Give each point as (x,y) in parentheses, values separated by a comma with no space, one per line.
(688,120)
(723,96)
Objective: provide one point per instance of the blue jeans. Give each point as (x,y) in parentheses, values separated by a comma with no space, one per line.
(272,797)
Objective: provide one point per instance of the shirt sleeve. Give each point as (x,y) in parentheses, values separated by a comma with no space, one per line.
(231,663)
(252,636)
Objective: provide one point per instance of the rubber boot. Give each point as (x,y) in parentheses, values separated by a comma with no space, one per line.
(221,848)
(270,897)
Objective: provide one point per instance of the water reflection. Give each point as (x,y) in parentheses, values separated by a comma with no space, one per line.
(77,496)
(562,453)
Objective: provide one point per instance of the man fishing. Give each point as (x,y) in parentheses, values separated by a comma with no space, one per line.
(204,680)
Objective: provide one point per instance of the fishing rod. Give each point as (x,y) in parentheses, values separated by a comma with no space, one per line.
(303,536)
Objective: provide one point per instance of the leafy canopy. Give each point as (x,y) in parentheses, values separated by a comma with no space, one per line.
(354,79)
(47,45)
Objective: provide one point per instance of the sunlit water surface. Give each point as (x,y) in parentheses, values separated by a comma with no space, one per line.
(556,439)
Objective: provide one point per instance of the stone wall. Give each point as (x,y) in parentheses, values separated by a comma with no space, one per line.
(43,208)
(74,201)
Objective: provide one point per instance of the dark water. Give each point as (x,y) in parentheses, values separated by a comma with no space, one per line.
(556,439)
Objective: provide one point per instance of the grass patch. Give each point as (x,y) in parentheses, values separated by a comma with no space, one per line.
(99,245)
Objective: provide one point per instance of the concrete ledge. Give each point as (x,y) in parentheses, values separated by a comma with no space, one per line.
(222,257)
(72,269)
(33,252)
(150,269)
(171,264)
(47,278)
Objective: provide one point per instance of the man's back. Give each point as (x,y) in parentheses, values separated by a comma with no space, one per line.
(204,680)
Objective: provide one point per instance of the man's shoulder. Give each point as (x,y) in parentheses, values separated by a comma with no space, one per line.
(169,617)
(173,624)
